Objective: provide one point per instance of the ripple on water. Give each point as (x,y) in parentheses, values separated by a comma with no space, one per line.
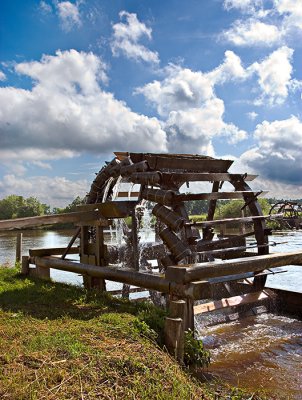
(261,352)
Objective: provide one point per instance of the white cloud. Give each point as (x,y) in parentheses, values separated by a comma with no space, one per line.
(126,37)
(231,69)
(2,76)
(67,110)
(292,12)
(179,90)
(69,15)
(252,115)
(274,75)
(265,27)
(55,191)
(194,115)
(45,7)
(253,32)
(243,5)
(16,161)
(278,152)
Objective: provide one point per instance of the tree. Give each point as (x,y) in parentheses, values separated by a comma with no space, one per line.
(233,209)
(14,206)
(196,207)
(73,205)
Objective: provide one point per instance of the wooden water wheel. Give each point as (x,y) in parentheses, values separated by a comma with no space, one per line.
(160,178)
(291,213)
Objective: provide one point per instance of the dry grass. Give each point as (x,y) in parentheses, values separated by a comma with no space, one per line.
(59,342)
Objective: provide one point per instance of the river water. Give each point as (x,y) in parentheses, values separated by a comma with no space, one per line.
(258,352)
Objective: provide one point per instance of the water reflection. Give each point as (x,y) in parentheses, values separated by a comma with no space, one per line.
(35,239)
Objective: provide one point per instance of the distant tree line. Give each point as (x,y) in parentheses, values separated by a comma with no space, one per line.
(14,206)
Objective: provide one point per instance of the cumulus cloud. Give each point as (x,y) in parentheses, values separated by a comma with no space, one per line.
(278,153)
(253,32)
(192,111)
(179,90)
(274,75)
(55,191)
(126,37)
(231,69)
(292,12)
(67,110)
(243,5)
(264,27)
(69,15)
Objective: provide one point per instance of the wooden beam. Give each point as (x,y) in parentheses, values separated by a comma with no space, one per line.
(124,275)
(20,223)
(237,240)
(55,251)
(187,163)
(71,242)
(200,271)
(230,302)
(127,194)
(216,195)
(111,209)
(169,197)
(131,290)
(229,221)
(205,176)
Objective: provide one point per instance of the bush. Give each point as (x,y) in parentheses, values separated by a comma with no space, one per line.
(194,352)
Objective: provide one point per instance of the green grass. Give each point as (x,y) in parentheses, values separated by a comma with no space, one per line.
(58,341)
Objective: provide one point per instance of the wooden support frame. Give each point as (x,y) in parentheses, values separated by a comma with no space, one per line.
(230,221)
(193,272)
(73,217)
(194,290)
(234,301)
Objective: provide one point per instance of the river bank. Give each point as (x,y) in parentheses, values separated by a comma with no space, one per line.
(58,342)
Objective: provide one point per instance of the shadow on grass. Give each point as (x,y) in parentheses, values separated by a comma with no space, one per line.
(54,300)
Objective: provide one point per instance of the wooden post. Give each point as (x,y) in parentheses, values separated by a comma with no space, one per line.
(41,272)
(180,320)
(25,265)
(19,247)
(135,239)
(174,337)
(183,309)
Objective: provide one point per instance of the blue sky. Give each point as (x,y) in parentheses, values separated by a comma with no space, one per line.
(81,79)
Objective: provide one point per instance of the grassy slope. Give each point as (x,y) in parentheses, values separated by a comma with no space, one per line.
(57,343)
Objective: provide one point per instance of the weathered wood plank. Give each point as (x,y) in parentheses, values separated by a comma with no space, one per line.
(168,197)
(131,290)
(230,302)
(229,221)
(217,195)
(196,272)
(112,209)
(205,176)
(20,223)
(55,251)
(127,194)
(123,275)
(156,177)
(184,162)
(237,240)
